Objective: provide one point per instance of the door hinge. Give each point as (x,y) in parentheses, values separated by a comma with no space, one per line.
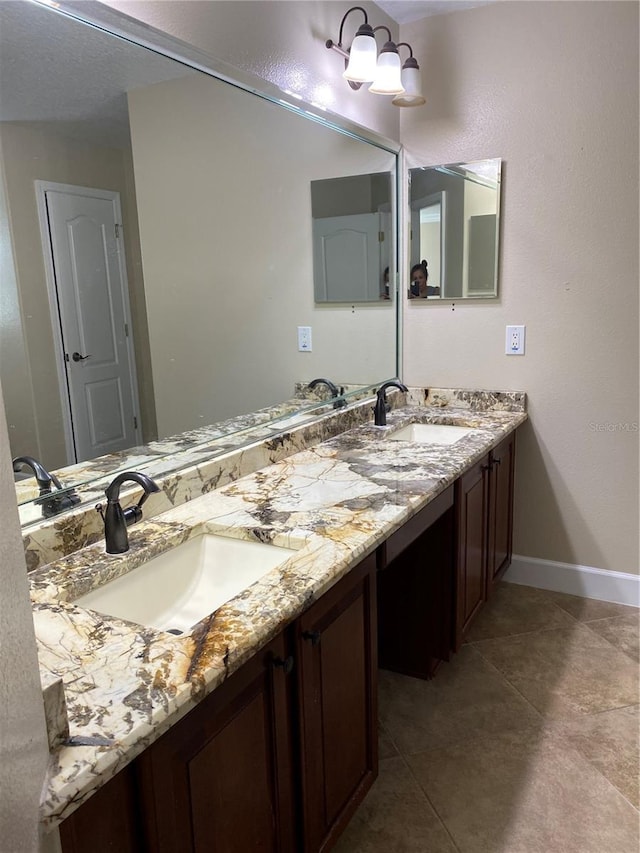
(135,422)
(380,236)
(117,231)
(126,330)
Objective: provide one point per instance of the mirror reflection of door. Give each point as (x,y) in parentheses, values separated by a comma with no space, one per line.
(87,282)
(428,234)
(346,258)
(352,238)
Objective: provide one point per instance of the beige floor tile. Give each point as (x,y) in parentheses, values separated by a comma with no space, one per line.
(565,671)
(622,631)
(395,817)
(525,794)
(515,609)
(609,741)
(386,747)
(586,609)
(466,699)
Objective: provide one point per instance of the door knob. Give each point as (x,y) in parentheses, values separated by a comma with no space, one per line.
(77,357)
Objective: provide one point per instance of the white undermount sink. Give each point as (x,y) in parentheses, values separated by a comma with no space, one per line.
(174,590)
(431,433)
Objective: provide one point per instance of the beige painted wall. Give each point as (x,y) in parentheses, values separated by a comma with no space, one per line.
(23,738)
(35,151)
(225,226)
(553,89)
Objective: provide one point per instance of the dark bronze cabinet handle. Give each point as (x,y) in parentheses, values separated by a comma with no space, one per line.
(286,665)
(312,636)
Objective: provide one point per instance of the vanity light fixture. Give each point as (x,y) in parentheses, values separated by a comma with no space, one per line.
(363,64)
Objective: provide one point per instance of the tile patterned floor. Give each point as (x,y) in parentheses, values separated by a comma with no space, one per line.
(527,742)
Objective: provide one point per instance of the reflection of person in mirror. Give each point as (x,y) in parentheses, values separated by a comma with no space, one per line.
(419,278)
(385,284)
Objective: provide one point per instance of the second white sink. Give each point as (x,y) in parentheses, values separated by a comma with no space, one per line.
(431,433)
(175,590)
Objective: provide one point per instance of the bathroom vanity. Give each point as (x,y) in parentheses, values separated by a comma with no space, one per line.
(260,722)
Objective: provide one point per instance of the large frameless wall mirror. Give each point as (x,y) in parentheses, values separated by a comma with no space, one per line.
(352,238)
(455,228)
(190,196)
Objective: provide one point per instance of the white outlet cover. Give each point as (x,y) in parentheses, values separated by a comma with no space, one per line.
(515,340)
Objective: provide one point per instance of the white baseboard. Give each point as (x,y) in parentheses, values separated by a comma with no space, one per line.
(619,587)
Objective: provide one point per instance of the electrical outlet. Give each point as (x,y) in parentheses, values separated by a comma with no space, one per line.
(304,339)
(514,343)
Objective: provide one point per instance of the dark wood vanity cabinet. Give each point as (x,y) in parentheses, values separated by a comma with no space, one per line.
(416,568)
(484,520)
(337,705)
(438,569)
(221,780)
(278,758)
(500,518)
(110,821)
(275,759)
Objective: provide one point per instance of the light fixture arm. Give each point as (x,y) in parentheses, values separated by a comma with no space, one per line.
(337,46)
(406,44)
(382,27)
(410,61)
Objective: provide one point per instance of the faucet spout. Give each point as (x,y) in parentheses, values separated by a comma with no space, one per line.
(382,406)
(333,389)
(116,520)
(52,502)
(43,478)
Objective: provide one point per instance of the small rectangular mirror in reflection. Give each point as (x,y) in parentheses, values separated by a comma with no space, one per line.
(455,212)
(351,238)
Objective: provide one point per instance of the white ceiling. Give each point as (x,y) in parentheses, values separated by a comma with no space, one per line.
(407,11)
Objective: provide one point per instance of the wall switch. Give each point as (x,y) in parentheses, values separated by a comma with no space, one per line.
(514,343)
(304,339)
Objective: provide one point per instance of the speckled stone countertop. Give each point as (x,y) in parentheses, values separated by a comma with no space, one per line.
(333,504)
(185,474)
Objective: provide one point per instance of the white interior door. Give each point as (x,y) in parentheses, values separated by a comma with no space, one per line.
(346,258)
(87,261)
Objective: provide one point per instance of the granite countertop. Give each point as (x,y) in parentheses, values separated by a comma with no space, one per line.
(165,456)
(333,503)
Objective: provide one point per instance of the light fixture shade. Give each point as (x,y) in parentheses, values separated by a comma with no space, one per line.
(387,80)
(362,58)
(412,96)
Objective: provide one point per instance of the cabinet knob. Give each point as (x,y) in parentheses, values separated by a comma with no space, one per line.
(285,664)
(312,636)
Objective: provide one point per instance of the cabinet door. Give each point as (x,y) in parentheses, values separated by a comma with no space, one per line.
(500,535)
(471,576)
(221,780)
(109,822)
(337,705)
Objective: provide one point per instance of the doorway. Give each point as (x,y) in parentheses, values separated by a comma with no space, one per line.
(83,250)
